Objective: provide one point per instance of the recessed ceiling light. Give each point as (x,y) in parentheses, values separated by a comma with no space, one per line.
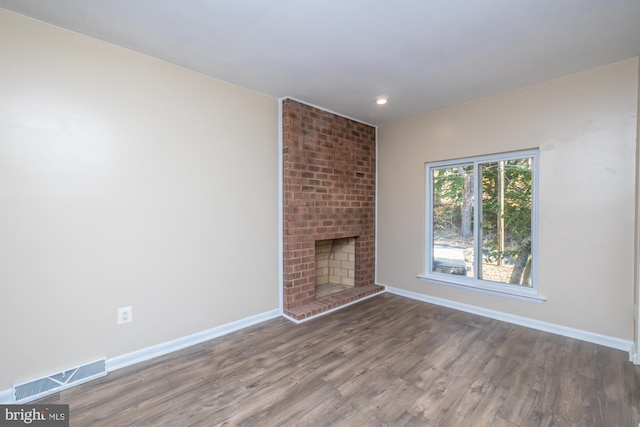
(381,100)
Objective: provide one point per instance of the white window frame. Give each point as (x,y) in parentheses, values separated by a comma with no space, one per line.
(472,283)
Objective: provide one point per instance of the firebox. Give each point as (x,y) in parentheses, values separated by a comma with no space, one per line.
(335,265)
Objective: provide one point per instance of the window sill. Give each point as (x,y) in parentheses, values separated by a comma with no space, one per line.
(504,293)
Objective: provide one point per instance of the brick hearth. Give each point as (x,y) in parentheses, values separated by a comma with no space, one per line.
(329,165)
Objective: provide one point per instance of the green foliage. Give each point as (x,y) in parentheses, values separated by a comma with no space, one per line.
(516,208)
(451,192)
(449,196)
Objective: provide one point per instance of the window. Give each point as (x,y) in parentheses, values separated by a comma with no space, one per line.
(481,223)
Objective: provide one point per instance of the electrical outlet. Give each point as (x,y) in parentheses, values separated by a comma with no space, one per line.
(125,315)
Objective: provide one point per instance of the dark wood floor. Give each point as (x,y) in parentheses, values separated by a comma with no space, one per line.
(384,361)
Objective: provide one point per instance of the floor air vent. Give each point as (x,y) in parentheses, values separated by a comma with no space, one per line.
(59,381)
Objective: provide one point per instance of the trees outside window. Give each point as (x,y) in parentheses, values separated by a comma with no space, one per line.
(481,219)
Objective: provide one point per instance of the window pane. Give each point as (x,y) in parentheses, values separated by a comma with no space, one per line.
(453,220)
(506,221)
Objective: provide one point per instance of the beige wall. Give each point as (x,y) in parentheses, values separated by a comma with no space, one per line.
(125,180)
(585,126)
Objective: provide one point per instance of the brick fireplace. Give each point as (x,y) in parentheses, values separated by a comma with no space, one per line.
(329,173)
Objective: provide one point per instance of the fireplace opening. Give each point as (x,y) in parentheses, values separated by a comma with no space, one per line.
(335,261)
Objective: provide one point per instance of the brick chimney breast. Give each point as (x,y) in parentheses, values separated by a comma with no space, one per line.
(329,173)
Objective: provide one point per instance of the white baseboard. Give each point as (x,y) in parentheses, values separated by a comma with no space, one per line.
(591,337)
(118,362)
(145,354)
(6,396)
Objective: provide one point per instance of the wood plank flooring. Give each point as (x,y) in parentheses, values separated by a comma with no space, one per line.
(386,361)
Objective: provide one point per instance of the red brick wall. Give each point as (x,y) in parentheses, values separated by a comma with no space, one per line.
(329,167)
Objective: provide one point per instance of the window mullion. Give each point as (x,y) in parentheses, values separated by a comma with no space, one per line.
(430,219)
(477,215)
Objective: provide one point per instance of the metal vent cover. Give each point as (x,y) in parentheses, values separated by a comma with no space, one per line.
(53,383)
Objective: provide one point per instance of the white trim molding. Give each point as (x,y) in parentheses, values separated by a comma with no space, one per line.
(144,354)
(326,109)
(6,396)
(474,280)
(591,337)
(280,208)
(147,353)
(636,223)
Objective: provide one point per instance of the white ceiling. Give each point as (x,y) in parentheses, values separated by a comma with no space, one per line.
(340,54)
